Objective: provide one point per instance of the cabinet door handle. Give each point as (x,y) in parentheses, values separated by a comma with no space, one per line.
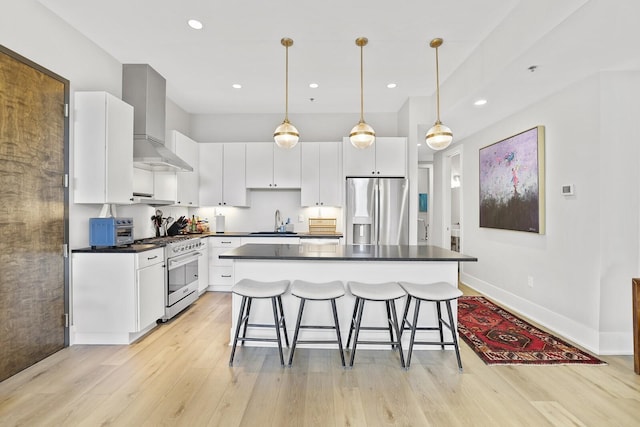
(153,257)
(225,275)
(228,243)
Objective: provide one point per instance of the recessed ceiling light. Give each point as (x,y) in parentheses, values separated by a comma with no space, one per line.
(195,24)
(392,85)
(313,85)
(480,102)
(419,144)
(236,86)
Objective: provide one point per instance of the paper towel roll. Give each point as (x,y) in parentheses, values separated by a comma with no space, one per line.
(220,224)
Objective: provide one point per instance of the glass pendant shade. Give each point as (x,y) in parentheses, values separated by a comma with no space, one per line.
(362,135)
(439,137)
(286,135)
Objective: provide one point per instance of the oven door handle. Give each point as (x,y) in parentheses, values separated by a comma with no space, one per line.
(181,260)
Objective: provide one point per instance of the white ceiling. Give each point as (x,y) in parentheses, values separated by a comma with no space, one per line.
(488,46)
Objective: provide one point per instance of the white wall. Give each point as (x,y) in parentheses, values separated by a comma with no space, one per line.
(582,266)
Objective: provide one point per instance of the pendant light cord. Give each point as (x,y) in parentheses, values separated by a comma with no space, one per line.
(286,85)
(361,85)
(437,87)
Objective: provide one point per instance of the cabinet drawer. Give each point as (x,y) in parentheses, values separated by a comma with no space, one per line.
(224,242)
(147,258)
(221,276)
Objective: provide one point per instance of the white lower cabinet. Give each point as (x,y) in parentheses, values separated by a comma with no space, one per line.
(117,297)
(221,270)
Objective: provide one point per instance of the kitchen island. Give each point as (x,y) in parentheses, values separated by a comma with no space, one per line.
(323,263)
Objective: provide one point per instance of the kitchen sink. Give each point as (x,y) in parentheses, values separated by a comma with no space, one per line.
(274,233)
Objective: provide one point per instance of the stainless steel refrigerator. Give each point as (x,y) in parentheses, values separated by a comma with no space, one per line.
(377,211)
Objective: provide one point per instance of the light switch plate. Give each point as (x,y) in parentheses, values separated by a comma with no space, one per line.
(567,190)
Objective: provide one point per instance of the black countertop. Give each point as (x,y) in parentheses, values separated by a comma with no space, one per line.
(135,248)
(344,253)
(141,247)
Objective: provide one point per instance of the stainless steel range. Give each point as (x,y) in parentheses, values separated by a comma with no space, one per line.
(182,256)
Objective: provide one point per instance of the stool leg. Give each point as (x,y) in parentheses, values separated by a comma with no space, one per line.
(454,334)
(404,315)
(416,311)
(353,320)
(238,326)
(295,334)
(244,330)
(360,305)
(439,311)
(277,325)
(284,322)
(335,320)
(389,323)
(394,315)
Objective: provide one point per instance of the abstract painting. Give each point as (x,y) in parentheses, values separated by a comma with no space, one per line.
(512,183)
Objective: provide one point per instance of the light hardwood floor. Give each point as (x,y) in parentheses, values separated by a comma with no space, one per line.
(179,376)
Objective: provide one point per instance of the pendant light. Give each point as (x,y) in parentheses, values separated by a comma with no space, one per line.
(362,135)
(286,135)
(439,136)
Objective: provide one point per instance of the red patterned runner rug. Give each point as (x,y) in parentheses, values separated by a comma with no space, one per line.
(501,338)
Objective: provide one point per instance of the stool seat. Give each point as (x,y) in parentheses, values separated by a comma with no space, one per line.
(439,291)
(376,292)
(254,289)
(317,291)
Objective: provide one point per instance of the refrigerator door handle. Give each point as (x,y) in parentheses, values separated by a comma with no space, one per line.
(376,214)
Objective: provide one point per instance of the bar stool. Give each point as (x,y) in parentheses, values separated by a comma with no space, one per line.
(381,292)
(437,293)
(329,291)
(250,289)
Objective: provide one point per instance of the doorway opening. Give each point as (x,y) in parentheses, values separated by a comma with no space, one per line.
(425,202)
(452,199)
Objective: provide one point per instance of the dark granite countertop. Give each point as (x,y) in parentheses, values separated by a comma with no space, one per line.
(141,247)
(134,248)
(344,253)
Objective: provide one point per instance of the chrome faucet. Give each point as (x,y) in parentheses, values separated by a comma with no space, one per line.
(278,220)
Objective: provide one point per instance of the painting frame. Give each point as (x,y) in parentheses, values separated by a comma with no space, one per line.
(512,182)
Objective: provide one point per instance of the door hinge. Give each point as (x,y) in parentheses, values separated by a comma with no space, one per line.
(66,110)
(65,250)
(66,320)
(65,180)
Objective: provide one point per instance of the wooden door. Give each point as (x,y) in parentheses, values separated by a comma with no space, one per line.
(33,213)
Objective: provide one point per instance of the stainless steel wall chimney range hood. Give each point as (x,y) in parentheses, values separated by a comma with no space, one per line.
(145,89)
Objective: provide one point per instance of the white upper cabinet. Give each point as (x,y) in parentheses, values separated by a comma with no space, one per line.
(321,179)
(181,187)
(386,157)
(103,149)
(269,166)
(187,182)
(222,174)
